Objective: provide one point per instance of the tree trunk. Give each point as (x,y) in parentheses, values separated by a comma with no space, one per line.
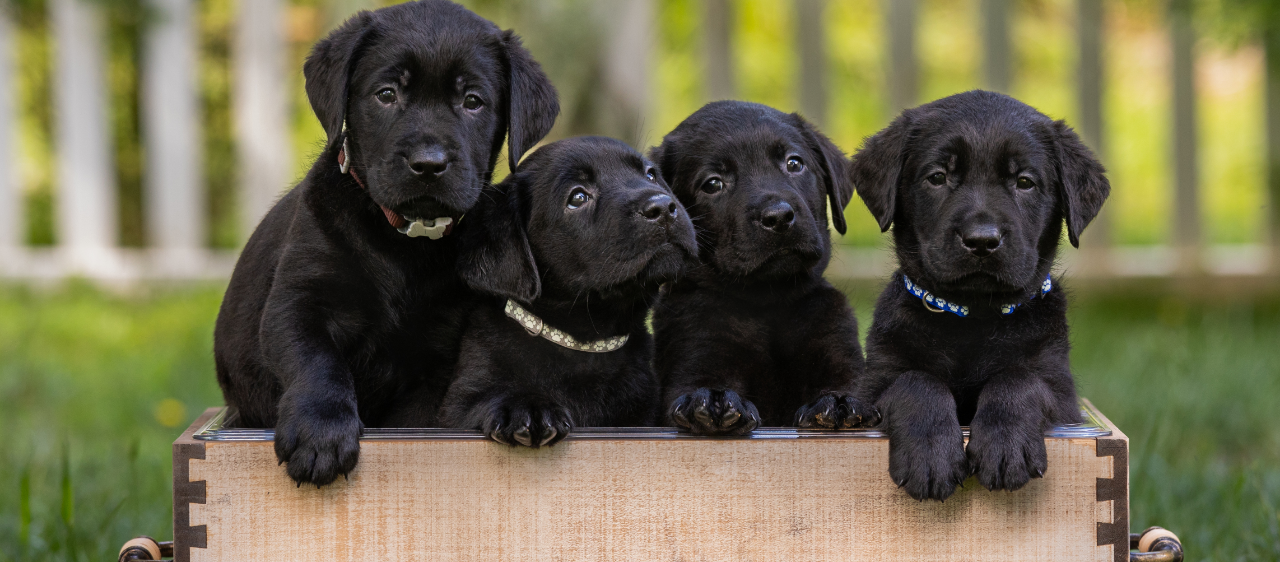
(175,201)
(996,45)
(1186,231)
(10,195)
(811,38)
(627,69)
(1097,238)
(719,50)
(903,72)
(261,109)
(86,197)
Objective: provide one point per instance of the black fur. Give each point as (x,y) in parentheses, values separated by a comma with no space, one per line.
(590,271)
(966,228)
(755,335)
(333,320)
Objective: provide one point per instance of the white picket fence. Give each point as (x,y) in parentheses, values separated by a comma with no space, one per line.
(86,214)
(175,209)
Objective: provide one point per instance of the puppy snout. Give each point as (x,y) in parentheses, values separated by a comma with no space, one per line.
(660,207)
(778,217)
(981,240)
(428,161)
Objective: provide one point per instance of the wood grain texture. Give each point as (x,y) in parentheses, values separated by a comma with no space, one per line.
(674,500)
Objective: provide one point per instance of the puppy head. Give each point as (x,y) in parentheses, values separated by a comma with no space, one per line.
(587,214)
(756,182)
(427,91)
(978,184)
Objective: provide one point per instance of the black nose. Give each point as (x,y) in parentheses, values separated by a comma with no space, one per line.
(659,207)
(981,240)
(778,217)
(429,160)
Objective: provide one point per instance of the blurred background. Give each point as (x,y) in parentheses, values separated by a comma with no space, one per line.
(141,140)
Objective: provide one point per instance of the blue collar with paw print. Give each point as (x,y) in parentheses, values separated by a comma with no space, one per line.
(935,304)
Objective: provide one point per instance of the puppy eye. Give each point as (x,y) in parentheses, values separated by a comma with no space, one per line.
(472,102)
(578,198)
(386,95)
(650,175)
(713,185)
(1025,183)
(937,178)
(795,165)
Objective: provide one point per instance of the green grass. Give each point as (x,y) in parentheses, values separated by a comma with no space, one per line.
(93,388)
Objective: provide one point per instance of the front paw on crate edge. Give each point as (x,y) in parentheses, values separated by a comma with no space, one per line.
(527,423)
(834,410)
(714,412)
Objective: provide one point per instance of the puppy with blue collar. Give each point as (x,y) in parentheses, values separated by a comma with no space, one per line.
(972,329)
(567,254)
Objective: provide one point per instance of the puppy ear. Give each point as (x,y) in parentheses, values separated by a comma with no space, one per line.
(877,166)
(328,72)
(835,170)
(493,251)
(532,103)
(1082,181)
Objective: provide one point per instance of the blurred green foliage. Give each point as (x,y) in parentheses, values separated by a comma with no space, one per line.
(94,388)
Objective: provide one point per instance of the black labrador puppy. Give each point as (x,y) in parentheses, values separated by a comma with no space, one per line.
(337,309)
(971,329)
(754,334)
(571,250)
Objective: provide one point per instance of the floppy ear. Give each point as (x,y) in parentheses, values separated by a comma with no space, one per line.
(532,103)
(835,170)
(328,72)
(493,251)
(1082,181)
(877,166)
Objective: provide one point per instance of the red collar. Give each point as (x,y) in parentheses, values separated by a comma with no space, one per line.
(397,221)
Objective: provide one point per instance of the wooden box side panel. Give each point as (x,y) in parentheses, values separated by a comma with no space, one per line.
(802,500)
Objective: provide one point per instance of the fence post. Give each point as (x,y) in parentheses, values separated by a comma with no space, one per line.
(261,108)
(903,67)
(811,40)
(995,45)
(720,83)
(175,201)
(86,198)
(1186,231)
(627,68)
(11,222)
(1096,243)
(1271,49)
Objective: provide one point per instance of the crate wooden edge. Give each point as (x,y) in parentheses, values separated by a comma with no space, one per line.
(1114,489)
(185,492)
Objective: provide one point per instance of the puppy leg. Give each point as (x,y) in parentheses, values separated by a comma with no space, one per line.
(926,448)
(714,412)
(1006,439)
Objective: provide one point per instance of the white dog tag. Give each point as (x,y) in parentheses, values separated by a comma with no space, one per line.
(433,229)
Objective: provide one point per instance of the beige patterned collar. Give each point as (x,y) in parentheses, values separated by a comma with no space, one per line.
(536,327)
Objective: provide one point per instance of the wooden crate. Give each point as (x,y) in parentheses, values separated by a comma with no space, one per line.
(638,495)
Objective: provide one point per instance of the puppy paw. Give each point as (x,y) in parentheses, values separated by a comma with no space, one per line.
(1006,460)
(714,412)
(318,449)
(928,466)
(525,422)
(834,410)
